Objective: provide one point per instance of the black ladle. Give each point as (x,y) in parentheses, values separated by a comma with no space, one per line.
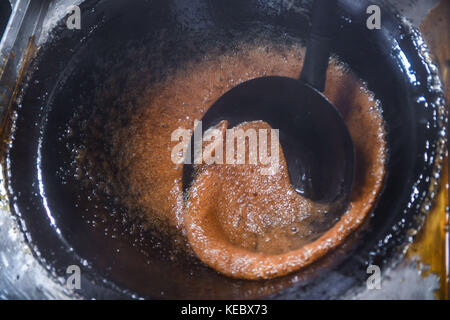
(316,142)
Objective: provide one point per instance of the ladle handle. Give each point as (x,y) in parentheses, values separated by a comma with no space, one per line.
(323,28)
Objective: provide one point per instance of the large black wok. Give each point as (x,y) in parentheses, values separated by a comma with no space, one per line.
(123,38)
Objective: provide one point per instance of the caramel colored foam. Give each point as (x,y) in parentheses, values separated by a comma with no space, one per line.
(256,228)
